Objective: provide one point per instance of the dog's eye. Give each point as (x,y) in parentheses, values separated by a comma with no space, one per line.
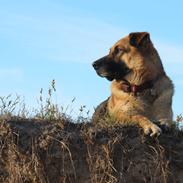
(118,50)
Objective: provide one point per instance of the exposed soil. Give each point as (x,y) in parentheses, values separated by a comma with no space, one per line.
(38,151)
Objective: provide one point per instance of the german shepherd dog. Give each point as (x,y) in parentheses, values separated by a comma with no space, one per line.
(141,92)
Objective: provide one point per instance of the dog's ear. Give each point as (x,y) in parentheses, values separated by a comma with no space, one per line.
(138,39)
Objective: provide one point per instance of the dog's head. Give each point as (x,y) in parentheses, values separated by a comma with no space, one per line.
(130,56)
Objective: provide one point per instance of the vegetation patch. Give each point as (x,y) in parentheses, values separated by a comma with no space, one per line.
(50,147)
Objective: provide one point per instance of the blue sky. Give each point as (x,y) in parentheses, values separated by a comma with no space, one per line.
(52,39)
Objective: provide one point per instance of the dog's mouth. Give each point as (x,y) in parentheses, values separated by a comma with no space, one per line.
(106,75)
(110,78)
(110,69)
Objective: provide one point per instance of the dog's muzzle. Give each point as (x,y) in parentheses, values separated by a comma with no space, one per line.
(99,63)
(95,65)
(108,68)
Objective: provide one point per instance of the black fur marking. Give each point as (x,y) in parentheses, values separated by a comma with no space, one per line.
(107,67)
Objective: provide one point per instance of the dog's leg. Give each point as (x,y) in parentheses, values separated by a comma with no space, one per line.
(148,126)
(162,108)
(100,112)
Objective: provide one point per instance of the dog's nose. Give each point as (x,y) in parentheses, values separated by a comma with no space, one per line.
(95,65)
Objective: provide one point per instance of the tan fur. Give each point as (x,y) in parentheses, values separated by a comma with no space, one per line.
(151,105)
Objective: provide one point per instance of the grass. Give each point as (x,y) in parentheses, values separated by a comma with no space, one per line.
(49,146)
(47,108)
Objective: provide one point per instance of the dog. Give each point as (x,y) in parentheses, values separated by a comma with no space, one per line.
(141,92)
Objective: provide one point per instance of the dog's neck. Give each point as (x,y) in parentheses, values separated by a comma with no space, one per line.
(146,73)
(132,88)
(127,87)
(140,77)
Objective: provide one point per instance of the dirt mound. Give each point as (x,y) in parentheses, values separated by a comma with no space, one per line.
(37,151)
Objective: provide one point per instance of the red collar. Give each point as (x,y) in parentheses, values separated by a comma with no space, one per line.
(130,88)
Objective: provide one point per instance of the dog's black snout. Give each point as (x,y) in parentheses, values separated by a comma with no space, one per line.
(99,63)
(95,65)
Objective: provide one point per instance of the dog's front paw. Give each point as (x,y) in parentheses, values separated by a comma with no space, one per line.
(165,125)
(152,130)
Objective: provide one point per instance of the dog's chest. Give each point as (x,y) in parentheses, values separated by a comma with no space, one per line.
(148,96)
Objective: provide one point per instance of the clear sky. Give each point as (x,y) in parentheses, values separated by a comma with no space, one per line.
(41,40)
